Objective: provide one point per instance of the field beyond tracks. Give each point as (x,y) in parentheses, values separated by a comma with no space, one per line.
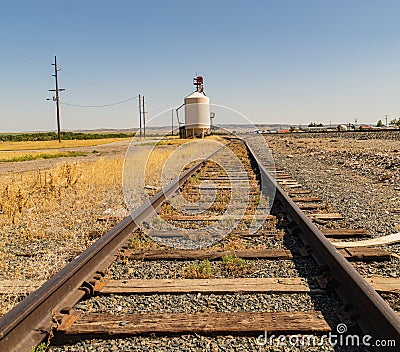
(53,209)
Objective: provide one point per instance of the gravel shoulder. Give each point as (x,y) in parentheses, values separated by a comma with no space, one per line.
(358,177)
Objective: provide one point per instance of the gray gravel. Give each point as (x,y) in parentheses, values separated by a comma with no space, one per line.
(165,269)
(197,343)
(198,303)
(348,172)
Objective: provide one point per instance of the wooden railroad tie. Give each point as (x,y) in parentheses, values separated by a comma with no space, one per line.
(77,323)
(310,206)
(228,186)
(215,217)
(365,254)
(326,216)
(307,199)
(292,185)
(345,233)
(175,286)
(227,178)
(207,234)
(297,192)
(183,254)
(197,193)
(152,286)
(351,254)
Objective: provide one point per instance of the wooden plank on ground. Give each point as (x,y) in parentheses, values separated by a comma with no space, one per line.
(202,323)
(365,254)
(182,254)
(250,285)
(345,233)
(393,238)
(384,284)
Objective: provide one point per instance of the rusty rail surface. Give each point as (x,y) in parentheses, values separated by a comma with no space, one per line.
(373,315)
(28,323)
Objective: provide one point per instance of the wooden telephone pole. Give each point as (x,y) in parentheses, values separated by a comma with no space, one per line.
(172,122)
(56,98)
(144,119)
(140,117)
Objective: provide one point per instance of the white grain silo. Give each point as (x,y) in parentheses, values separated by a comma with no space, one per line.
(197,112)
(197,115)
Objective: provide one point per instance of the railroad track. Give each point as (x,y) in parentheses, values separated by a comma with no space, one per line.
(273,274)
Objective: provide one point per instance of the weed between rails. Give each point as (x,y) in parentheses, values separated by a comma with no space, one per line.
(202,270)
(229,265)
(235,266)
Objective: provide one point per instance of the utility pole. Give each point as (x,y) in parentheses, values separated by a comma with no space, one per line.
(386,117)
(140,117)
(172,122)
(56,98)
(144,119)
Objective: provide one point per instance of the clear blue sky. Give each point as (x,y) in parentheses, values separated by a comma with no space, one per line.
(274,61)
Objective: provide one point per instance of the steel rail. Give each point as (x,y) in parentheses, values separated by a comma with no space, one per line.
(29,322)
(373,315)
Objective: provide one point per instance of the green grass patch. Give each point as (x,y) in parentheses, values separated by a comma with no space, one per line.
(201,270)
(29,157)
(235,266)
(52,136)
(41,348)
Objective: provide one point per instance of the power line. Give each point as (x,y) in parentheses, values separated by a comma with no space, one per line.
(99,106)
(85,81)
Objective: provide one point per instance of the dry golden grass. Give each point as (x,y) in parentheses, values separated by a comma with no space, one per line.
(175,140)
(35,145)
(155,165)
(47,217)
(141,241)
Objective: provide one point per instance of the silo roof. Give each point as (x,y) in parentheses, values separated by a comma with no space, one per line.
(196,95)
